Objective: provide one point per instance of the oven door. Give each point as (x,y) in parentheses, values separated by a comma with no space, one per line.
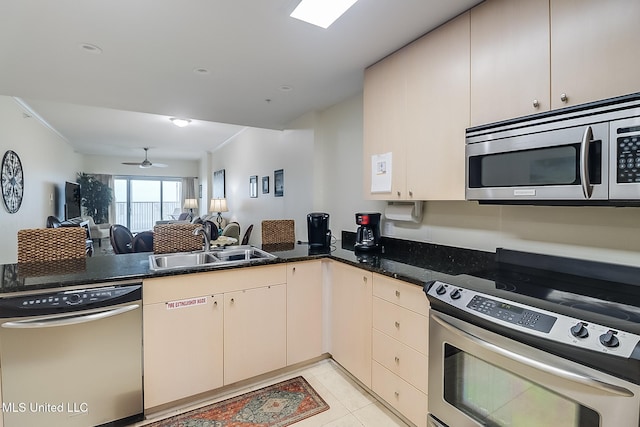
(479,378)
(564,164)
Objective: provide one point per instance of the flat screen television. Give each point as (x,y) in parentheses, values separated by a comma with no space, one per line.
(72,200)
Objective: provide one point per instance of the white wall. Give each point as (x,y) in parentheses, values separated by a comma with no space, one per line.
(47,160)
(260,152)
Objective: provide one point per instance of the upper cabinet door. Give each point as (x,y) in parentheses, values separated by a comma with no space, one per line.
(594,50)
(438,112)
(509,59)
(385,122)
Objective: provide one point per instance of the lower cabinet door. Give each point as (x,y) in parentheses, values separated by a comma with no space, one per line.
(404,397)
(182,348)
(255,332)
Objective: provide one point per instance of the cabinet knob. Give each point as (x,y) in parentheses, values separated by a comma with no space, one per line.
(398,294)
(410,193)
(293,270)
(397,359)
(398,194)
(564,97)
(536,104)
(233,300)
(215,303)
(364,278)
(398,325)
(396,393)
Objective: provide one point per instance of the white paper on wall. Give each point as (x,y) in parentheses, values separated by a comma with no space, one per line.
(381,167)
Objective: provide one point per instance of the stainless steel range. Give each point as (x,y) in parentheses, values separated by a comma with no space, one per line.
(538,341)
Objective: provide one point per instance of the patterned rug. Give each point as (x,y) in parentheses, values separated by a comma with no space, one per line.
(277,405)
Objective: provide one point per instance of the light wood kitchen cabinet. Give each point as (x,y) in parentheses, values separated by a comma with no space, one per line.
(385,122)
(400,346)
(182,348)
(351,299)
(255,332)
(509,59)
(304,311)
(594,50)
(532,56)
(416,106)
(186,329)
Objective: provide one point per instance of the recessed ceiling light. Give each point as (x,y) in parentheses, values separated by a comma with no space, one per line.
(180,122)
(286,88)
(322,13)
(90,48)
(200,70)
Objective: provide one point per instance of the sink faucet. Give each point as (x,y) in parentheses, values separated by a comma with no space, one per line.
(207,238)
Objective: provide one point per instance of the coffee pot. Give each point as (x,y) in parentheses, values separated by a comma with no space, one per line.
(368,233)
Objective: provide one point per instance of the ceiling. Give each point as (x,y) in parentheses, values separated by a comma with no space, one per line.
(224,64)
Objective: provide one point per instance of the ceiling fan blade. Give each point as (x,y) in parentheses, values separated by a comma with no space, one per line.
(131,163)
(159,165)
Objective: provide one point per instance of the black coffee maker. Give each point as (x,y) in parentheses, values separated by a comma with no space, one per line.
(368,234)
(318,232)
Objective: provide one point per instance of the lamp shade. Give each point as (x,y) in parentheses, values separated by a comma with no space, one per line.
(190,203)
(218,205)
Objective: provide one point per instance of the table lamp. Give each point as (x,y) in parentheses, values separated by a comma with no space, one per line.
(218,205)
(191,204)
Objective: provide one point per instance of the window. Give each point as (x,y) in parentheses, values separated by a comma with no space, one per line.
(140,202)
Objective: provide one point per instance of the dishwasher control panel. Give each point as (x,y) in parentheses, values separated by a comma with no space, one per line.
(69,300)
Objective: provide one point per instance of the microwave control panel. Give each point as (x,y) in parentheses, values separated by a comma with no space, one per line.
(628,154)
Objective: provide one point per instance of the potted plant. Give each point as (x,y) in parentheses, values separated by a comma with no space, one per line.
(96,197)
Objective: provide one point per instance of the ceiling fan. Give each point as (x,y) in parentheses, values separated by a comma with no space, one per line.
(145,163)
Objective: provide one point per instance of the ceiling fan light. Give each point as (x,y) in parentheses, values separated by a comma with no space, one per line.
(180,122)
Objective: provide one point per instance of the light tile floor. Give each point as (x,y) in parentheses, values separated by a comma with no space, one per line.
(350,405)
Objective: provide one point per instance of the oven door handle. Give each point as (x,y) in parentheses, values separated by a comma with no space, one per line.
(44,322)
(569,375)
(587,188)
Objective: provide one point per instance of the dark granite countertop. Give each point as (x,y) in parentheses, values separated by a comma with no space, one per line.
(410,261)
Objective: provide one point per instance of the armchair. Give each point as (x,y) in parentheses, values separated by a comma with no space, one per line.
(97,231)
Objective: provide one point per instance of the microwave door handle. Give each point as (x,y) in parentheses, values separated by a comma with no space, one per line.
(545,367)
(587,188)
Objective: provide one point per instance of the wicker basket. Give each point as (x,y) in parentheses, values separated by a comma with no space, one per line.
(176,238)
(278,231)
(51,244)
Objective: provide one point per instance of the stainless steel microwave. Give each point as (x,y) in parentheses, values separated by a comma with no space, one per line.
(583,155)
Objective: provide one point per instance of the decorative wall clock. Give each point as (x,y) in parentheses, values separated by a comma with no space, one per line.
(12,181)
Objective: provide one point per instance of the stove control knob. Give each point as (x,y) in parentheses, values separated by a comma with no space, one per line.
(579,331)
(441,289)
(609,339)
(455,294)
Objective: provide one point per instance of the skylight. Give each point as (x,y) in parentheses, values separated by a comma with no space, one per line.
(322,13)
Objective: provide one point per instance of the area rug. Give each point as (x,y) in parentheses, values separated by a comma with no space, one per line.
(277,405)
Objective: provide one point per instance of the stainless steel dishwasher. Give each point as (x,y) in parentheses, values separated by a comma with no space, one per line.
(72,357)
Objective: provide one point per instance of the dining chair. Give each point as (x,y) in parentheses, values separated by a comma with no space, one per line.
(247,235)
(51,244)
(232,230)
(142,242)
(277,231)
(121,238)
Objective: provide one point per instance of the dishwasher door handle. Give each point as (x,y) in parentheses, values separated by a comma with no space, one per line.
(48,322)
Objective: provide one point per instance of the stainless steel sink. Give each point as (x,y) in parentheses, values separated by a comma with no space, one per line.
(217,257)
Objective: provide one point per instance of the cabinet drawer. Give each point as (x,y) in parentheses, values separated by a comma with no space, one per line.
(402,360)
(404,397)
(404,325)
(398,292)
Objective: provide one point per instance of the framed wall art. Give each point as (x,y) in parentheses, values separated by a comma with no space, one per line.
(218,185)
(253,186)
(278,183)
(265,185)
